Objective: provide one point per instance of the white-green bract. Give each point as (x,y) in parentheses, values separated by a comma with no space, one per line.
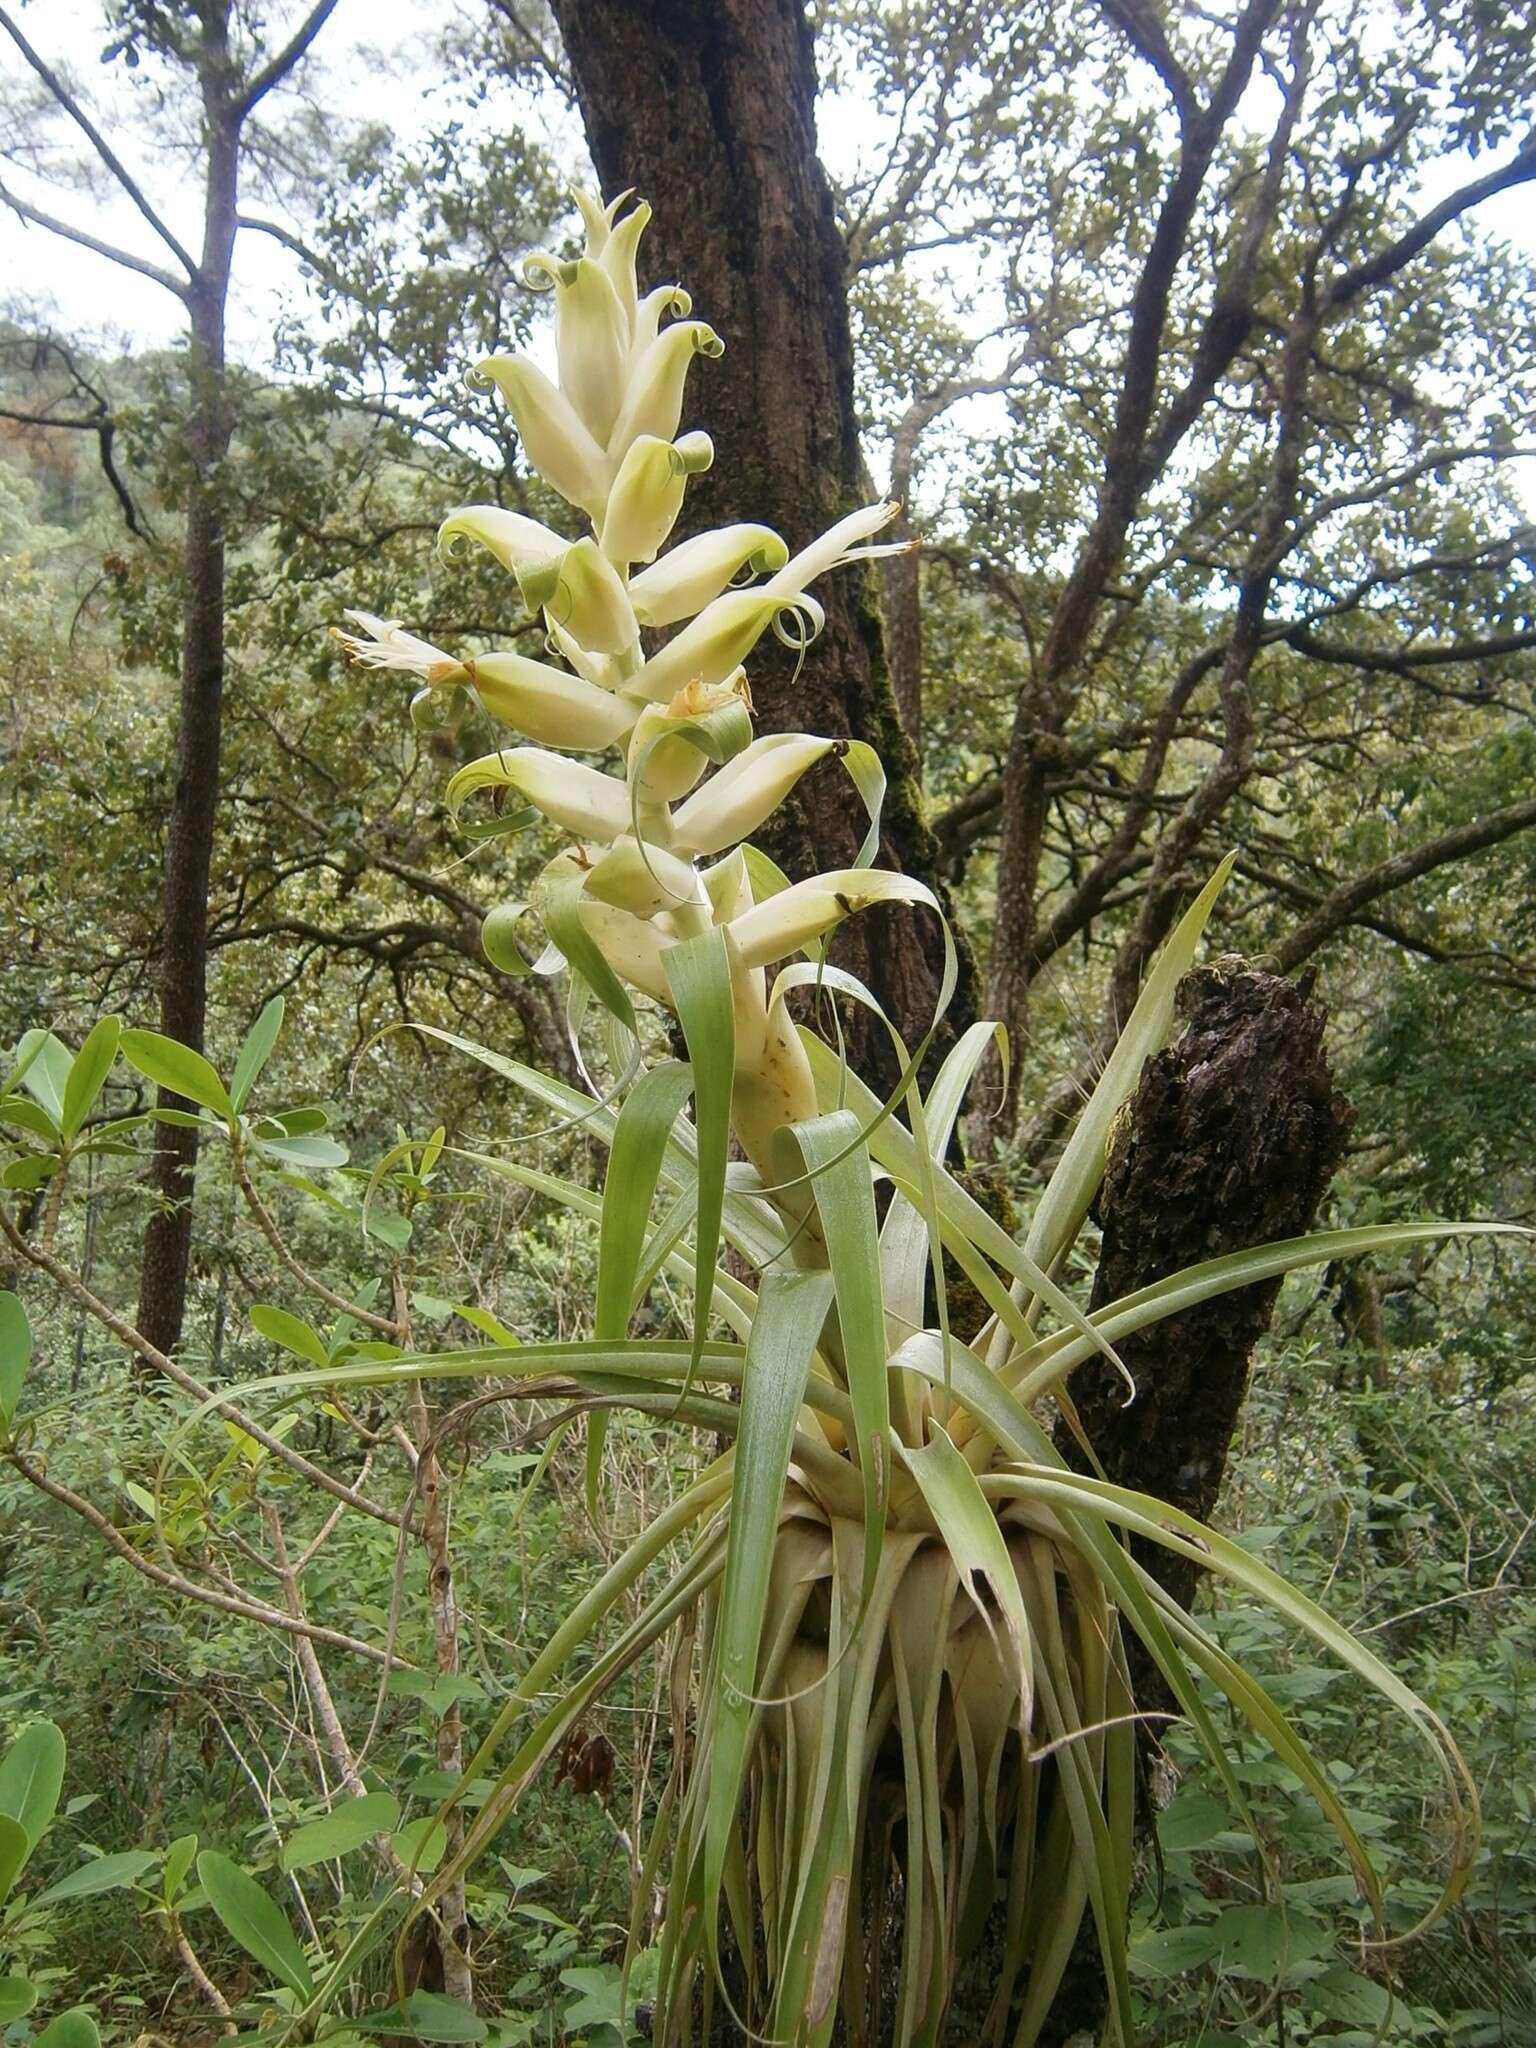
(898,1619)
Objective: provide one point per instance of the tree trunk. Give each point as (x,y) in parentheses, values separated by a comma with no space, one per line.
(904,632)
(189,835)
(1231,1138)
(707,108)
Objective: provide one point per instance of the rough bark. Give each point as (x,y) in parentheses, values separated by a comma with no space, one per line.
(1229,1141)
(707,108)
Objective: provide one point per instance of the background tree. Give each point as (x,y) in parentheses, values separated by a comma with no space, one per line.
(1257,512)
(995,220)
(220,63)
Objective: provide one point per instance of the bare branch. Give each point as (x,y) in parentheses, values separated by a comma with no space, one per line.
(543,57)
(104,150)
(1343,904)
(1520,170)
(1402,661)
(34,214)
(136,1342)
(311,258)
(100,423)
(288,56)
(1144,31)
(267,1224)
(243,1605)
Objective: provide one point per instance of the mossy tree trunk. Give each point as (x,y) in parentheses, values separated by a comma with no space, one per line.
(1229,1140)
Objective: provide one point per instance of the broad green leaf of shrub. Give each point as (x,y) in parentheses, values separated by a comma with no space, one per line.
(291,1331)
(178,1861)
(17,1997)
(73,2029)
(1168,1951)
(255,1052)
(1263,1941)
(88,1073)
(255,1920)
(337,1833)
(428,2016)
(179,1069)
(15,1352)
(421,1844)
(101,1874)
(31,1778)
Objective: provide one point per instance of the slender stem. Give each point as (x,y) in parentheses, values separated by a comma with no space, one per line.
(315,1684)
(432,1491)
(315,1285)
(242,1605)
(207,1990)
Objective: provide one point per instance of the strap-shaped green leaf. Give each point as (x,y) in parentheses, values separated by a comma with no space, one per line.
(1064,1203)
(1036,1371)
(834,1152)
(639,1144)
(904,1236)
(699,975)
(909,1165)
(557,899)
(791,1310)
(969,1527)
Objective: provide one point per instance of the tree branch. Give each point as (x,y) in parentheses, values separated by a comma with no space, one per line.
(288,56)
(267,1224)
(1141,27)
(252,224)
(104,427)
(1342,904)
(66,99)
(136,1342)
(27,212)
(1520,170)
(1404,660)
(244,1606)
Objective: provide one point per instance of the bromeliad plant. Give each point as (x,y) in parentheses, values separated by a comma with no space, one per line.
(904,1720)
